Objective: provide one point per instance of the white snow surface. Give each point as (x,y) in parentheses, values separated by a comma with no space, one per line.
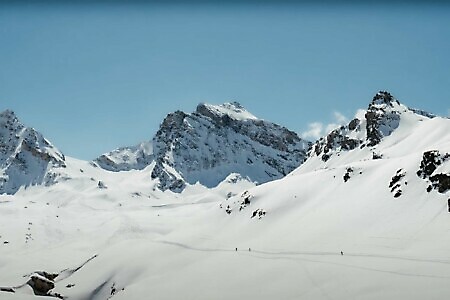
(133,241)
(126,239)
(232,109)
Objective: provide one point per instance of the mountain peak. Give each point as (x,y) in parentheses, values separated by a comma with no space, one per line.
(25,155)
(383,98)
(209,144)
(8,117)
(382,117)
(7,113)
(233,110)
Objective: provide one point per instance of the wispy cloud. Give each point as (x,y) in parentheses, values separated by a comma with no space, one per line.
(317,129)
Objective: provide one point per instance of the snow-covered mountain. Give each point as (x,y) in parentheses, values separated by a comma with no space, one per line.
(209,144)
(26,157)
(127,158)
(366,216)
(382,117)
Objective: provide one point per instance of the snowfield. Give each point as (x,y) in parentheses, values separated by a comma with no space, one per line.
(115,235)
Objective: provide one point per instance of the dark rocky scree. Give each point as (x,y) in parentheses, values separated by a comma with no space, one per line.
(395,184)
(430,161)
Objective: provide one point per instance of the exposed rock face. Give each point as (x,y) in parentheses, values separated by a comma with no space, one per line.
(26,157)
(441,182)
(348,174)
(395,184)
(382,117)
(431,160)
(209,144)
(127,158)
(214,141)
(42,283)
(338,139)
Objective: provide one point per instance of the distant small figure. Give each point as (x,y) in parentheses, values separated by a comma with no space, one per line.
(342,253)
(236,249)
(249,249)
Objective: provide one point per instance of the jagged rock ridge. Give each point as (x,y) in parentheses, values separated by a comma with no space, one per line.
(381,118)
(214,141)
(26,157)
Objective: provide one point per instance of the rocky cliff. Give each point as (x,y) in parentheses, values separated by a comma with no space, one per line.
(26,157)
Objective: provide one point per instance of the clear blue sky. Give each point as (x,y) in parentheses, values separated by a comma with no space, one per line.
(95,77)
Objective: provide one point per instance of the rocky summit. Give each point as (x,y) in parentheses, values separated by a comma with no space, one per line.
(209,144)
(26,157)
(381,118)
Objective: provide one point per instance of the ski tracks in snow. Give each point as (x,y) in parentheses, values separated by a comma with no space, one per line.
(300,256)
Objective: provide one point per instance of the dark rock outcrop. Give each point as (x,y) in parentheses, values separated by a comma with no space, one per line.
(347,174)
(441,182)
(42,283)
(395,184)
(258,213)
(381,117)
(209,144)
(431,160)
(214,141)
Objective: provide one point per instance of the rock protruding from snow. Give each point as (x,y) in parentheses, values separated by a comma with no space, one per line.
(217,140)
(381,118)
(26,157)
(395,184)
(431,160)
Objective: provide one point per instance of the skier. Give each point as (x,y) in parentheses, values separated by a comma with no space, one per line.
(249,249)
(236,249)
(342,253)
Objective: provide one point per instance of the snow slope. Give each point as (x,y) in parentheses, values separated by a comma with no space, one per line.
(127,239)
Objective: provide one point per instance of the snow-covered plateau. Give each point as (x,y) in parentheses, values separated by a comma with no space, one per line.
(362,213)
